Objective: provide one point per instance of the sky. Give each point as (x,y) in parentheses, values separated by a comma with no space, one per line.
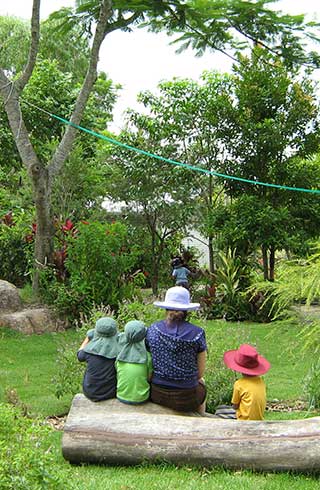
(140,60)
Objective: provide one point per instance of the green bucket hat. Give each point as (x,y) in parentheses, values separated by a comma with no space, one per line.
(131,343)
(105,339)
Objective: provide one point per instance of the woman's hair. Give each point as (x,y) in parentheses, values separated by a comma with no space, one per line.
(176,316)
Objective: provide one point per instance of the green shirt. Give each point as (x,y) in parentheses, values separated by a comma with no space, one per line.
(132,381)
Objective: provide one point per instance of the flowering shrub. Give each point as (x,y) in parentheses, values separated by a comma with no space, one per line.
(95,265)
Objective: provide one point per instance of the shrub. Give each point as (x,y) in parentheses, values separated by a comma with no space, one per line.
(225,294)
(98,265)
(312,386)
(26,460)
(137,310)
(15,248)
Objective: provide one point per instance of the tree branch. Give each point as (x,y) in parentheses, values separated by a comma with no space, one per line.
(34,47)
(66,143)
(199,33)
(10,97)
(122,22)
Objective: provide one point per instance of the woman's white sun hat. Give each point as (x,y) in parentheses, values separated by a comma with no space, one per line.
(177,298)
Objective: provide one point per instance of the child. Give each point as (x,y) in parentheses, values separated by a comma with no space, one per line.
(249,392)
(180,273)
(133,365)
(99,350)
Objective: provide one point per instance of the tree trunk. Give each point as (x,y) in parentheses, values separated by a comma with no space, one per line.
(272,262)
(265,262)
(154,275)
(211,260)
(110,432)
(45,230)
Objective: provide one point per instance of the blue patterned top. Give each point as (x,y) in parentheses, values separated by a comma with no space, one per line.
(174,349)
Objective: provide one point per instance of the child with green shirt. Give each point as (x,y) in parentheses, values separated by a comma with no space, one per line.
(133,365)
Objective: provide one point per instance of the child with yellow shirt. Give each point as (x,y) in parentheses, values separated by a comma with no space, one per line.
(249,392)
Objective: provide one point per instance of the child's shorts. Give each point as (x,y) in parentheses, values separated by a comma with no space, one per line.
(225,412)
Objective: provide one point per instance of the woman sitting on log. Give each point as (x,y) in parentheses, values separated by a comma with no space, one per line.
(99,350)
(178,349)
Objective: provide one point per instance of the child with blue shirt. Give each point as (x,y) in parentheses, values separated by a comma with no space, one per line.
(99,350)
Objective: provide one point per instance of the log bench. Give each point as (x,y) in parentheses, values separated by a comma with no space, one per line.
(113,433)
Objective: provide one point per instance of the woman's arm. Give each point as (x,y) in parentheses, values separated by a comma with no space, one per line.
(202,357)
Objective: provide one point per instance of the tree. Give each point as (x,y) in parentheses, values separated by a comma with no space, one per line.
(154,192)
(80,180)
(189,118)
(274,119)
(107,16)
(42,174)
(227,27)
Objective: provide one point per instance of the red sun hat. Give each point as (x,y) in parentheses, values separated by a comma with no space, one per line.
(246,360)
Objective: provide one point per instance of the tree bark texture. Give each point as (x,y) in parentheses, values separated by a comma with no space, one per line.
(113,433)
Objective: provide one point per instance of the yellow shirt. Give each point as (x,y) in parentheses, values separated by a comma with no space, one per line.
(249,393)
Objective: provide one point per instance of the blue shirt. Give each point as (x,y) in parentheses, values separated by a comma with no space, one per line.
(181,274)
(174,349)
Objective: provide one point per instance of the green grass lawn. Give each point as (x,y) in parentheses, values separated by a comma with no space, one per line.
(28,364)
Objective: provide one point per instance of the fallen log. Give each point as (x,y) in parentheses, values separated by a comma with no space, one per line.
(113,433)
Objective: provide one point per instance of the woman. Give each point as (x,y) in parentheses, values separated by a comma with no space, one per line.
(178,349)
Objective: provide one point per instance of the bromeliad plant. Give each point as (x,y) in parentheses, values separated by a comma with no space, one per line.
(230,300)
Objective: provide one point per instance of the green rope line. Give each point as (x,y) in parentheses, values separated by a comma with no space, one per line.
(172,162)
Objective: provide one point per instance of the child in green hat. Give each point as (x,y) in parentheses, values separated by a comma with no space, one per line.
(99,350)
(133,365)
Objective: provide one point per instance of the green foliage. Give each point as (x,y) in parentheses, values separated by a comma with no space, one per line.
(14,39)
(15,251)
(99,269)
(298,281)
(312,386)
(274,110)
(138,310)
(26,459)
(158,196)
(99,263)
(69,49)
(225,294)
(69,371)
(202,24)
(27,294)
(78,190)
